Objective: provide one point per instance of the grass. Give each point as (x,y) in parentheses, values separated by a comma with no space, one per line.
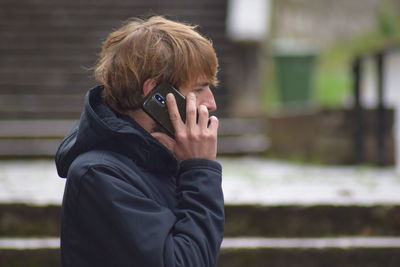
(333,84)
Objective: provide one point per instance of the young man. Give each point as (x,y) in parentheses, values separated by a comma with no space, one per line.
(135,196)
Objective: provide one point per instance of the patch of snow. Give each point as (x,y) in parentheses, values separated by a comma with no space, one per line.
(339,242)
(31,181)
(29,243)
(251,180)
(245,180)
(238,243)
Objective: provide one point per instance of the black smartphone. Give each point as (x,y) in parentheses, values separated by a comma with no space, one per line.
(155,105)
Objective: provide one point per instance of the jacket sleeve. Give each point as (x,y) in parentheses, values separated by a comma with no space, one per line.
(143,233)
(197,234)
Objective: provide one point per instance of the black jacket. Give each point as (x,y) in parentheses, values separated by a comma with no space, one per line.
(128,202)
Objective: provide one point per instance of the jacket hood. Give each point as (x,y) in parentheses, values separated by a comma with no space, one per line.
(100,128)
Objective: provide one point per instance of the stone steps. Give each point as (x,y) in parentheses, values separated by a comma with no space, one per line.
(24,220)
(313,221)
(62,39)
(29,138)
(317,235)
(238,243)
(279,233)
(310,257)
(244,252)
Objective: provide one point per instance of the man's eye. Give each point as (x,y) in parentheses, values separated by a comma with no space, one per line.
(198,90)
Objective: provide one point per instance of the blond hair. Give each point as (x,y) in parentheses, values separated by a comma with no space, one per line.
(156,48)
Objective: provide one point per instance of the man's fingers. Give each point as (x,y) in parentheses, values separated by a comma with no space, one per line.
(173,111)
(213,123)
(191,110)
(203,117)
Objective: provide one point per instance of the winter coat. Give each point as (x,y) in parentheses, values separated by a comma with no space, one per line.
(129,202)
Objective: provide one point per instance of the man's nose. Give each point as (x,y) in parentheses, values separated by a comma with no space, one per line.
(208,100)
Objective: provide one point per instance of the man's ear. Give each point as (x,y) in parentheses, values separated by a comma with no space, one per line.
(148,85)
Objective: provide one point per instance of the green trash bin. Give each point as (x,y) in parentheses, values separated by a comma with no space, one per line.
(294,70)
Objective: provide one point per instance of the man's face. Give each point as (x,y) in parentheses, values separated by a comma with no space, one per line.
(204,95)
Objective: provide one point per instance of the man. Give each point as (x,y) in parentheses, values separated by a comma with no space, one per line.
(135,196)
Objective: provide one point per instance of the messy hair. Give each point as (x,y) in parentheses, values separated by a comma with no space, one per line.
(156,48)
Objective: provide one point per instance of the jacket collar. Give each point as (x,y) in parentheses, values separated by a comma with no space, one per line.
(101,128)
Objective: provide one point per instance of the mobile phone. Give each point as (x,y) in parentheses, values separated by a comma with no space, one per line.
(155,105)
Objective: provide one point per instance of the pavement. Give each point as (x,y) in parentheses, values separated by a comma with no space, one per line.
(245,181)
(239,242)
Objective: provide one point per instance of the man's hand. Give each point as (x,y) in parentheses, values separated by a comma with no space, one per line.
(195,138)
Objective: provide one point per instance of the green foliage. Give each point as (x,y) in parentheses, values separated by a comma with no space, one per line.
(333,76)
(388,22)
(270,99)
(332,86)
(333,73)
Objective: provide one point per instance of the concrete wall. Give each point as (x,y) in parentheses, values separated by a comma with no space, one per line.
(327,136)
(324,22)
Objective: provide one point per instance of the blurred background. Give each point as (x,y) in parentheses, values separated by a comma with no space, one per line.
(309,102)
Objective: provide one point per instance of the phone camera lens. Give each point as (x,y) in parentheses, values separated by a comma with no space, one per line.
(159,99)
